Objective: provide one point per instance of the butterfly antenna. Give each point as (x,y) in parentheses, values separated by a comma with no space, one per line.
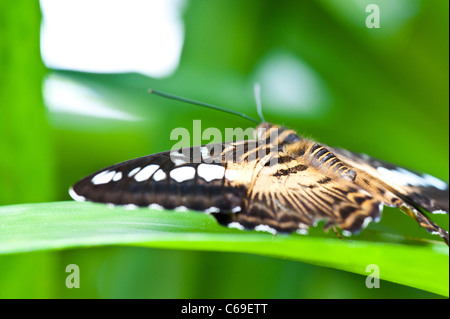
(182,99)
(257,91)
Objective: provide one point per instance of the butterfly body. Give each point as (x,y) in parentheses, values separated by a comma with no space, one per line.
(278,182)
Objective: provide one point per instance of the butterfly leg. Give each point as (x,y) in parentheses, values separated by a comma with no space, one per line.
(337,232)
(335,229)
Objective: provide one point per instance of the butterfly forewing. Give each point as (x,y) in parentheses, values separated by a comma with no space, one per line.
(196,178)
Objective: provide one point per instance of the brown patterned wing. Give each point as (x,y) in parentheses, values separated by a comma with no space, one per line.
(421,189)
(414,191)
(293,196)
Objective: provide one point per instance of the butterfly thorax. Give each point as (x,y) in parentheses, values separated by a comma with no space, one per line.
(298,148)
(276,134)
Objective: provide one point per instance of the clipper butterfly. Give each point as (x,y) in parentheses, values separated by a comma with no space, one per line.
(278,182)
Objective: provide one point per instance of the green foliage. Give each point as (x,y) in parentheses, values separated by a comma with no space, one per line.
(26,164)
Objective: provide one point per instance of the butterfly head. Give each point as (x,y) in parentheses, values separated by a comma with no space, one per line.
(276,133)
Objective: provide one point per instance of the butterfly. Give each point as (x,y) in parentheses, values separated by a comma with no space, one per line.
(278,182)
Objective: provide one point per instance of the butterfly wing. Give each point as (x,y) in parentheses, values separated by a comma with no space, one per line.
(421,189)
(294,195)
(194,178)
(413,191)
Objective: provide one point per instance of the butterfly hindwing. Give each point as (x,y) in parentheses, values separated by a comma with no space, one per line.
(295,195)
(406,189)
(425,190)
(283,193)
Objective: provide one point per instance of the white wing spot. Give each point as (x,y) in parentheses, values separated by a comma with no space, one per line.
(211,210)
(236,209)
(366,222)
(436,182)
(182,174)
(103,177)
(401,176)
(302,229)
(265,228)
(117,176)
(210,172)
(159,175)
(236,225)
(230,174)
(75,196)
(155,206)
(177,158)
(380,208)
(134,171)
(346,233)
(178,161)
(146,172)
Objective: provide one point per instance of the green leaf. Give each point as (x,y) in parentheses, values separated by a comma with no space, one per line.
(61,225)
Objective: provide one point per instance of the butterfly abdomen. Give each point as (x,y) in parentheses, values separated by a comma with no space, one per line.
(321,158)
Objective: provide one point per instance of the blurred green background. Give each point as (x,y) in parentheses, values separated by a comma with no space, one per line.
(381,91)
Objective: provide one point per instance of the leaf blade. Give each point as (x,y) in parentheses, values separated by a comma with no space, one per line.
(62,225)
